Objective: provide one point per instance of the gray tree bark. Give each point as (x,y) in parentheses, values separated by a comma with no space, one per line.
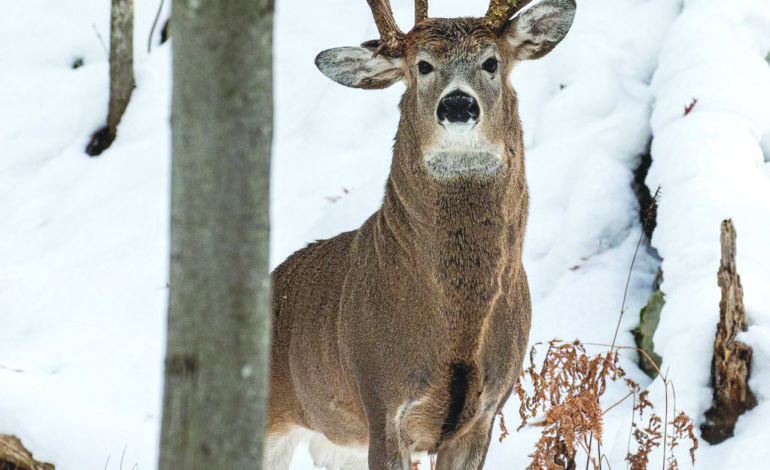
(217,361)
(121,61)
(121,74)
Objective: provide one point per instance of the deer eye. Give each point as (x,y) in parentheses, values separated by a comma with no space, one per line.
(424,67)
(490,65)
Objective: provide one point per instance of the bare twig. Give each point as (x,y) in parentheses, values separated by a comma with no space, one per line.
(688,108)
(631,430)
(599,451)
(122,456)
(650,211)
(640,351)
(101,40)
(154,24)
(665,420)
(629,394)
(604,457)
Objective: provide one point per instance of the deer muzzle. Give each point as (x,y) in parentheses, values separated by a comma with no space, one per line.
(457,106)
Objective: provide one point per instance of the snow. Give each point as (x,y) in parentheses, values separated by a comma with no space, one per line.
(710,166)
(84,241)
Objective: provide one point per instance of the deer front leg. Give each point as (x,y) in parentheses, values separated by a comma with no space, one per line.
(386,451)
(467,452)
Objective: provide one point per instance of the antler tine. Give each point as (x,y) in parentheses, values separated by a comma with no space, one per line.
(420,10)
(391,41)
(501,11)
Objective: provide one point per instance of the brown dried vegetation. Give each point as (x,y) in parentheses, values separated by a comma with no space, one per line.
(565,391)
(688,108)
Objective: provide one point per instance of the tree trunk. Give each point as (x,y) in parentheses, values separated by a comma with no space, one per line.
(121,74)
(121,61)
(217,361)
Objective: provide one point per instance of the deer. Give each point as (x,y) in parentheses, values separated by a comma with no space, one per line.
(406,335)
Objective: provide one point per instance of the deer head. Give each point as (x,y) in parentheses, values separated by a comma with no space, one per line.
(458,102)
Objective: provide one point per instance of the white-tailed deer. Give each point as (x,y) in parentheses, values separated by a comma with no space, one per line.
(407,334)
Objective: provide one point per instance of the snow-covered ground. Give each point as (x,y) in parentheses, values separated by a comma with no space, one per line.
(83,245)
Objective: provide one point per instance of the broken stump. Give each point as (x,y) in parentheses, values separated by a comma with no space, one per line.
(14,456)
(731,363)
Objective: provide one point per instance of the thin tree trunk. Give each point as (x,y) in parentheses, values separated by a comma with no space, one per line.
(217,361)
(121,61)
(121,74)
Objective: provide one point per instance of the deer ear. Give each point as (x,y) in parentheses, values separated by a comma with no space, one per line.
(540,28)
(357,68)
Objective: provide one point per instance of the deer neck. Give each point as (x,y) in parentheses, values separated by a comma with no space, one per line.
(463,236)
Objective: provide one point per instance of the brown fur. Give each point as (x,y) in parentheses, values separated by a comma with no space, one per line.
(408,333)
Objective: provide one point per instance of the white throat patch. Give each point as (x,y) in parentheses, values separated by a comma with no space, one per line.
(462,150)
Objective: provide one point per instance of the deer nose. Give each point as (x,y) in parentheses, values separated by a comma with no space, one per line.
(457,107)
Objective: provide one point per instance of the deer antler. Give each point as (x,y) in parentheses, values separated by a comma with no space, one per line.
(392,39)
(501,11)
(420,10)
